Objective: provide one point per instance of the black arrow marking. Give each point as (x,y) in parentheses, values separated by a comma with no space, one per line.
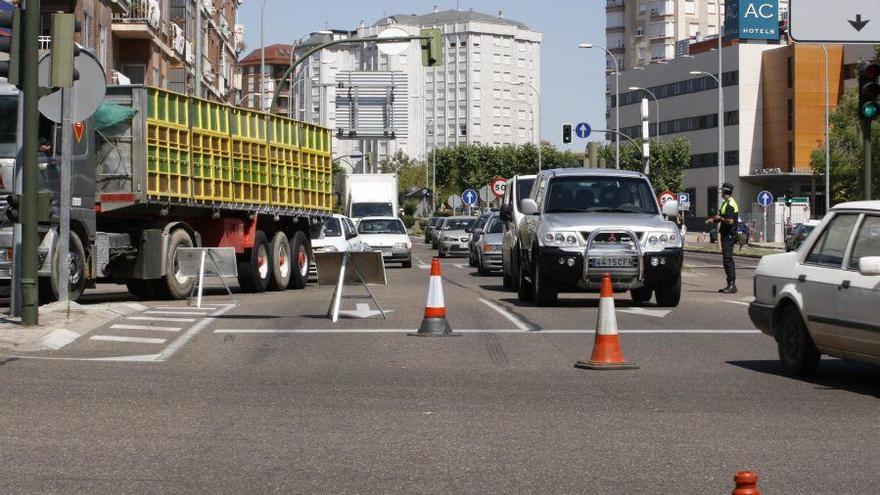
(859,24)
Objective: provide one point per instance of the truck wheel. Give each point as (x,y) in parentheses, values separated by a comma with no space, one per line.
(642,295)
(173,285)
(299,276)
(48,288)
(282,263)
(546,291)
(797,352)
(523,287)
(669,293)
(254,272)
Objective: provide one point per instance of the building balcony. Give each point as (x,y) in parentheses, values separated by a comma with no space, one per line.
(614,5)
(141,20)
(658,13)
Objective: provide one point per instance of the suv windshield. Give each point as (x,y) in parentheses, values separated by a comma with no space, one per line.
(600,194)
(458,224)
(390,226)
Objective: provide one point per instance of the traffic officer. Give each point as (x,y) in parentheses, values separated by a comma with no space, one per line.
(727,220)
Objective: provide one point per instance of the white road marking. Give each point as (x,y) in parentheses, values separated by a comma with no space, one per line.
(133,340)
(656,313)
(341,331)
(503,312)
(191,333)
(168,320)
(463,266)
(363,311)
(136,306)
(58,339)
(741,303)
(145,327)
(419,260)
(134,359)
(425,267)
(177,313)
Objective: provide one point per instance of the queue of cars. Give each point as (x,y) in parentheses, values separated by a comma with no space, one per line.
(387,235)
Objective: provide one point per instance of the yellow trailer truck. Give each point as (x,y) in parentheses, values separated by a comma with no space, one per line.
(156,171)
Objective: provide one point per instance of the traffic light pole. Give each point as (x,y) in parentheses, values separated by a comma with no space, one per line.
(868,143)
(30,131)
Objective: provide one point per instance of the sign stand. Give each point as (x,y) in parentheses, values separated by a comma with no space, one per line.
(336,299)
(193,262)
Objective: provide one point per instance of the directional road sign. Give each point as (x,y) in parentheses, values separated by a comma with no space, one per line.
(498,187)
(583,130)
(470,197)
(840,21)
(765,199)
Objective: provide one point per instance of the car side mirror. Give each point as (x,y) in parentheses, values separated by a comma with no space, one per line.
(478,232)
(505,214)
(350,235)
(528,207)
(670,208)
(869,266)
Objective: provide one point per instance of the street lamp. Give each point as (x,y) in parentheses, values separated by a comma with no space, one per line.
(720,128)
(827,135)
(262,57)
(534,116)
(656,102)
(616,98)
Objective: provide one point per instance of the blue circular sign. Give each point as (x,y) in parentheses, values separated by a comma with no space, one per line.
(583,130)
(765,198)
(470,197)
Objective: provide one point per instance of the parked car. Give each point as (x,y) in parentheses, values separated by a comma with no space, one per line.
(454,236)
(430,228)
(580,224)
(822,298)
(338,234)
(518,188)
(799,234)
(387,235)
(489,246)
(476,233)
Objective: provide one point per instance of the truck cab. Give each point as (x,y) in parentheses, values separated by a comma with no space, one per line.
(518,187)
(579,224)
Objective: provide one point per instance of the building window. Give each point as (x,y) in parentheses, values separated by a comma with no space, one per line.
(713,200)
(102,44)
(690,7)
(789,72)
(790,155)
(790,115)
(462,129)
(87,30)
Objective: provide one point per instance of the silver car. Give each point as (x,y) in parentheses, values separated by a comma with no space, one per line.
(489,246)
(454,236)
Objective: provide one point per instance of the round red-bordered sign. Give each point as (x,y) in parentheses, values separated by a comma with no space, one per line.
(498,186)
(666,196)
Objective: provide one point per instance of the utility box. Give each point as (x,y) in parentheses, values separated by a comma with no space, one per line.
(777,216)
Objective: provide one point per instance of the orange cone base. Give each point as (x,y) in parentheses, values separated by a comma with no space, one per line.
(590,365)
(434,327)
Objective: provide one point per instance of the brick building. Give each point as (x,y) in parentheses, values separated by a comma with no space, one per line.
(278,59)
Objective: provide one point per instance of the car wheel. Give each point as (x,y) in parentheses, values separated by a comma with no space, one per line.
(642,295)
(301,259)
(669,293)
(282,264)
(546,291)
(441,254)
(254,271)
(472,261)
(797,352)
(523,287)
(481,269)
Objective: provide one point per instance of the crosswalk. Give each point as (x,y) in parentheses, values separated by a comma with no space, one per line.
(156,326)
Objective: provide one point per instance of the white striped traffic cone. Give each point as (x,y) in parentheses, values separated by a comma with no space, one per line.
(434,323)
(606,348)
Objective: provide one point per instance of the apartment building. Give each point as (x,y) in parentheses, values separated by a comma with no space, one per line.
(278,58)
(154,42)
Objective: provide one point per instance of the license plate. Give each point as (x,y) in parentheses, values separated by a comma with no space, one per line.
(612,262)
(386,254)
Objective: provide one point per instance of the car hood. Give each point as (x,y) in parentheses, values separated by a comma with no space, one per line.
(383,240)
(587,222)
(338,242)
(454,233)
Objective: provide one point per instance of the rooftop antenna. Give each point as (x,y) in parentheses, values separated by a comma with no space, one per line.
(457,4)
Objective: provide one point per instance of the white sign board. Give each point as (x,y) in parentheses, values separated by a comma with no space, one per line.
(840,21)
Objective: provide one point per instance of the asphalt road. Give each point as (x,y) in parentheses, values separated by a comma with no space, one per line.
(270,396)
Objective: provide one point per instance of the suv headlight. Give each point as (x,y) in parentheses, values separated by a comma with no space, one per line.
(561,239)
(401,245)
(658,241)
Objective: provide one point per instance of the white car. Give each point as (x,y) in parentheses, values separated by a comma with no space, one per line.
(337,235)
(822,298)
(388,236)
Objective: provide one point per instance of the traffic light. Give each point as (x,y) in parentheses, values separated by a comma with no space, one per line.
(11,45)
(869,91)
(566,133)
(64,50)
(789,197)
(432,48)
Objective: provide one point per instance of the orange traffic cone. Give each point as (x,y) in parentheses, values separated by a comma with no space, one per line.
(746,483)
(606,348)
(434,323)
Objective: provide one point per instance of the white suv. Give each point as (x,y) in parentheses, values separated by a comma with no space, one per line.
(823,298)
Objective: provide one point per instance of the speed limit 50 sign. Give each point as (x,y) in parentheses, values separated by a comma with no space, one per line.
(498,187)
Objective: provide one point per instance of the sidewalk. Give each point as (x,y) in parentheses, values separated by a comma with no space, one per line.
(59,328)
(752,250)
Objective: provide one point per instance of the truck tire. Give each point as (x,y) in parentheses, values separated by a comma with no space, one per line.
(48,287)
(282,262)
(299,276)
(545,290)
(523,287)
(173,286)
(642,295)
(797,352)
(669,293)
(254,270)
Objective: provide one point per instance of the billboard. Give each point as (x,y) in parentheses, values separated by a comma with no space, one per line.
(752,19)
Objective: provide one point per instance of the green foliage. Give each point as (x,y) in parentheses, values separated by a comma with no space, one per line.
(409,208)
(669,159)
(410,173)
(847,171)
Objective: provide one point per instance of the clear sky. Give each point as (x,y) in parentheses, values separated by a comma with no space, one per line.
(573,78)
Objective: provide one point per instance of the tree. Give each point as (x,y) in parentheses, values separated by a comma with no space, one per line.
(410,173)
(669,159)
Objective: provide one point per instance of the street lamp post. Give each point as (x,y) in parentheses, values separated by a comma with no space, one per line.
(827,135)
(534,117)
(656,103)
(616,98)
(720,127)
(262,57)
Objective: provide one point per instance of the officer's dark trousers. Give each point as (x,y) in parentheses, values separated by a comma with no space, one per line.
(727,244)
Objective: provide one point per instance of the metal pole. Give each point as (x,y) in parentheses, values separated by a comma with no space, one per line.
(197,86)
(827,134)
(66,177)
(30,132)
(290,105)
(263,58)
(720,101)
(617,110)
(868,142)
(15,289)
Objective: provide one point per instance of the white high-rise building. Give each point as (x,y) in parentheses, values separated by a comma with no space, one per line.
(481,93)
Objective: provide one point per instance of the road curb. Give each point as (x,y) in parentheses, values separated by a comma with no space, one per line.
(708,250)
(60,327)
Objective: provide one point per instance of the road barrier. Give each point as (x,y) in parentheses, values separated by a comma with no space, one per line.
(434,323)
(606,347)
(746,483)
